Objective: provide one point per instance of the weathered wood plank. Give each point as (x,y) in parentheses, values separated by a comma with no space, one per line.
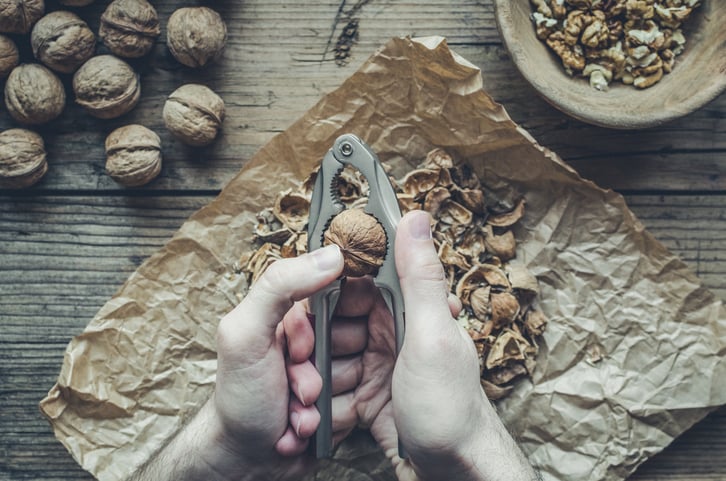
(61,258)
(276,67)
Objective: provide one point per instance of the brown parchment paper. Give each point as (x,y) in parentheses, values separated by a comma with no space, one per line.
(631,358)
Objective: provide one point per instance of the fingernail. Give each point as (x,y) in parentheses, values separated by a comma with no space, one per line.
(295,422)
(421,226)
(327,258)
(302,398)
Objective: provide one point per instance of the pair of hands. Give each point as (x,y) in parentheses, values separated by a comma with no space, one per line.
(263,414)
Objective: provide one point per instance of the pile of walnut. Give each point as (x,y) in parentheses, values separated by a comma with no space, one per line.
(634,41)
(105,86)
(476,245)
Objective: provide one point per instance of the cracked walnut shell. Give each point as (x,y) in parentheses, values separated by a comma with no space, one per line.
(34,95)
(194,114)
(62,41)
(133,155)
(361,239)
(129,28)
(196,36)
(106,87)
(22,158)
(18,16)
(9,56)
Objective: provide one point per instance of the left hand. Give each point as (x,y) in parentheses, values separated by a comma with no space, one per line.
(260,363)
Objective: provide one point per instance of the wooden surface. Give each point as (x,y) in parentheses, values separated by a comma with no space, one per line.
(67,244)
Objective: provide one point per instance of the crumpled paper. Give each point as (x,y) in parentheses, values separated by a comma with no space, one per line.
(631,358)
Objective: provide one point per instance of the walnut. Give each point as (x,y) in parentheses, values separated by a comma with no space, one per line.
(18,16)
(196,35)
(62,41)
(22,158)
(361,239)
(572,58)
(34,95)
(9,56)
(194,114)
(133,155)
(129,28)
(106,86)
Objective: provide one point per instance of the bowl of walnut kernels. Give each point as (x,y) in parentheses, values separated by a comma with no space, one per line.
(622,64)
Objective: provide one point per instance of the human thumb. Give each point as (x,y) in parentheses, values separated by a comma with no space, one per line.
(422,278)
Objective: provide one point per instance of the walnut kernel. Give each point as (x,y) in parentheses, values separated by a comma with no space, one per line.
(106,86)
(133,155)
(129,28)
(194,114)
(18,16)
(22,158)
(62,41)
(361,239)
(9,56)
(196,35)
(34,95)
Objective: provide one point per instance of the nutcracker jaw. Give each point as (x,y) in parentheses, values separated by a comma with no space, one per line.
(325,205)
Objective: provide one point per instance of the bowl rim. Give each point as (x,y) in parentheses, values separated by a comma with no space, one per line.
(503,10)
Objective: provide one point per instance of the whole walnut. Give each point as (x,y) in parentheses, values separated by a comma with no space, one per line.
(196,35)
(18,16)
(9,56)
(133,155)
(34,95)
(194,114)
(22,158)
(62,41)
(106,86)
(129,27)
(361,239)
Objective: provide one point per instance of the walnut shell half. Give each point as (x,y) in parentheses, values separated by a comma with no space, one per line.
(106,86)
(196,36)
(62,41)
(22,158)
(194,114)
(361,239)
(129,27)
(133,155)
(34,95)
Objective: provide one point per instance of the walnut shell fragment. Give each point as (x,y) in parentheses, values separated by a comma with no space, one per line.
(133,155)
(106,87)
(292,210)
(129,28)
(9,56)
(361,239)
(62,41)
(22,158)
(194,114)
(196,36)
(19,16)
(34,95)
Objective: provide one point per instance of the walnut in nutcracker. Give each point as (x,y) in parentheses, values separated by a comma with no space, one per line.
(22,158)
(34,95)
(19,16)
(129,28)
(133,155)
(194,114)
(361,239)
(9,56)
(196,36)
(62,41)
(106,87)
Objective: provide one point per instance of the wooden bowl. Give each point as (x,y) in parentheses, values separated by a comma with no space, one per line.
(699,74)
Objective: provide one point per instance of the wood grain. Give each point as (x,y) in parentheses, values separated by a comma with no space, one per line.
(68,244)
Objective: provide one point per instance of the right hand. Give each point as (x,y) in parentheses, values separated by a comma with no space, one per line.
(432,400)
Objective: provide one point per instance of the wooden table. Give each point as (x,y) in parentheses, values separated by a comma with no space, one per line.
(67,244)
